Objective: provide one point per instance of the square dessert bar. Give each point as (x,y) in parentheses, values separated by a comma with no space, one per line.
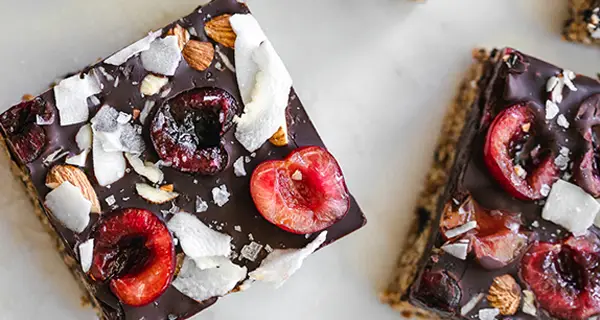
(584,22)
(507,225)
(180,169)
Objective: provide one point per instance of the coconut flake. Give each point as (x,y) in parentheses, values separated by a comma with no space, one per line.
(83,138)
(264,83)
(225,59)
(568,76)
(69,206)
(458,249)
(141,45)
(163,56)
(71,96)
(79,159)
(201,284)
(461,229)
(41,121)
(280,264)
(151,172)
(201,205)
(197,240)
(562,121)
(109,167)
(148,106)
(220,195)
(529,303)
(154,195)
(470,305)
(551,109)
(152,84)
(251,251)
(551,83)
(488,313)
(124,118)
(238,167)
(54,156)
(86,250)
(570,207)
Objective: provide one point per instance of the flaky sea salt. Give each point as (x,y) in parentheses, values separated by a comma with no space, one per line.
(220,195)
(201,205)
(251,251)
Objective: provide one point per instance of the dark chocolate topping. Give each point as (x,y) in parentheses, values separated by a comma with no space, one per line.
(506,83)
(239,211)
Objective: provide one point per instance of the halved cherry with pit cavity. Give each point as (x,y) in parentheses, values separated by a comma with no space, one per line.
(565,276)
(186,131)
(586,170)
(304,193)
(515,159)
(133,249)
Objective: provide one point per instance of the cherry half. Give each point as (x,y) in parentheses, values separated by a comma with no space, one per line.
(586,171)
(304,193)
(438,290)
(520,165)
(186,131)
(565,277)
(20,124)
(134,251)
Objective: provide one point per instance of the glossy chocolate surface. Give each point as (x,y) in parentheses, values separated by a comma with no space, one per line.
(504,85)
(239,211)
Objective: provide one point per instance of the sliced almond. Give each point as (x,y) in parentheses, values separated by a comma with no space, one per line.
(151,84)
(199,55)
(154,195)
(61,173)
(280,138)
(167,187)
(183,36)
(135,113)
(505,295)
(219,29)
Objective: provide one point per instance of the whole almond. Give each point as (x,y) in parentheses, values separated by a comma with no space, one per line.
(280,138)
(61,173)
(199,55)
(219,29)
(183,36)
(505,294)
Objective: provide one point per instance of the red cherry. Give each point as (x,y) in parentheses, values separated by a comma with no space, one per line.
(133,249)
(565,276)
(508,145)
(586,171)
(304,193)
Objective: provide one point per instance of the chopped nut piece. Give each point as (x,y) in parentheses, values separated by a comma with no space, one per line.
(167,187)
(505,295)
(61,173)
(183,36)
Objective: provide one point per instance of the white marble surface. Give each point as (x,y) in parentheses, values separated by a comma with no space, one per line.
(373,74)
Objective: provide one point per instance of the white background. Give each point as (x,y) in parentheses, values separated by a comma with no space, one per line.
(376,77)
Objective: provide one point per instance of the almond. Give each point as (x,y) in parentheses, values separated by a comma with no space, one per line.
(219,29)
(61,173)
(505,295)
(167,187)
(27,97)
(280,138)
(183,36)
(199,55)
(135,113)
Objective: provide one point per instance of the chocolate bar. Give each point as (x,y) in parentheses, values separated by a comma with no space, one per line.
(180,169)
(507,220)
(584,22)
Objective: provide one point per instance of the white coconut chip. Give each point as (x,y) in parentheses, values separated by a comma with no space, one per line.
(79,159)
(238,167)
(71,96)
(151,172)
(529,303)
(54,156)
(86,251)
(470,305)
(562,121)
(264,83)
(568,76)
(201,284)
(83,138)
(163,56)
(109,167)
(152,84)
(551,109)
(280,264)
(458,249)
(488,314)
(124,118)
(141,45)
(39,120)
(220,195)
(197,240)
(461,229)
(570,207)
(69,206)
(154,195)
(148,106)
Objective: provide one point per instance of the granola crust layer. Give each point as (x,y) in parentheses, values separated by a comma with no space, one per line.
(576,28)
(435,183)
(20,173)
